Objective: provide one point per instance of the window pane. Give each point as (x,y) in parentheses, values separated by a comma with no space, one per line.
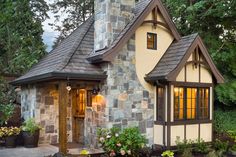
(151,41)
(160,104)
(191,103)
(178,103)
(204,103)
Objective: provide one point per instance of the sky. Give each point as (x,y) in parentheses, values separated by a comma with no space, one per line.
(49,34)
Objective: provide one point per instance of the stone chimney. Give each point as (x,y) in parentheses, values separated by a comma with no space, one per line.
(111,16)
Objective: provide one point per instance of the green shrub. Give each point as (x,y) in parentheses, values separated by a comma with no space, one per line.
(114,141)
(187,152)
(6,111)
(233,148)
(220,145)
(30,126)
(167,153)
(201,146)
(213,154)
(183,145)
(224,121)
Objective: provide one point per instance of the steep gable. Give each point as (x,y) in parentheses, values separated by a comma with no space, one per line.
(142,10)
(177,56)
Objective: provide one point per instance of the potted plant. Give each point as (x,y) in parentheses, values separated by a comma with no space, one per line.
(233,150)
(30,133)
(10,134)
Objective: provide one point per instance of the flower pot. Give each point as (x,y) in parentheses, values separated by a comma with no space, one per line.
(30,140)
(10,141)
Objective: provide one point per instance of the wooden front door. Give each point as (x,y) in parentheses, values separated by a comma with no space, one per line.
(79,101)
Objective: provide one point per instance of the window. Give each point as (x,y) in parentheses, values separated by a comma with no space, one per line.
(203,103)
(160,104)
(191,103)
(179,103)
(152,41)
(82,101)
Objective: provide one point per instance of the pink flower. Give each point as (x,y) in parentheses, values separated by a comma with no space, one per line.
(122,152)
(118,144)
(112,153)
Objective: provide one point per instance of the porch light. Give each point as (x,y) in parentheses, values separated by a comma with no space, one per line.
(68,87)
(96,90)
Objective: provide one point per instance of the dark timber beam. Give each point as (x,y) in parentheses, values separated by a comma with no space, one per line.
(155,22)
(63,102)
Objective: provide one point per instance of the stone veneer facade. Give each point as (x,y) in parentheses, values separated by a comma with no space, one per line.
(111,16)
(41,103)
(127,102)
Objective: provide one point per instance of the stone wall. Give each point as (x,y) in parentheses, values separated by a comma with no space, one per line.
(127,102)
(41,102)
(111,16)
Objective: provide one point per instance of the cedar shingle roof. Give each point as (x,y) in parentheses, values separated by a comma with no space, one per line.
(68,57)
(172,57)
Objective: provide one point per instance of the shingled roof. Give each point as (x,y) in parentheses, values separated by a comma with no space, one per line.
(67,59)
(176,56)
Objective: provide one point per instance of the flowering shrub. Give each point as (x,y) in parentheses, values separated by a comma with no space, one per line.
(9,131)
(117,142)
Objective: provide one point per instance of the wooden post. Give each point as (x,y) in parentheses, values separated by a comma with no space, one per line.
(63,102)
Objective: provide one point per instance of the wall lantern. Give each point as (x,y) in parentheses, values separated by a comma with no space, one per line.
(95,91)
(68,86)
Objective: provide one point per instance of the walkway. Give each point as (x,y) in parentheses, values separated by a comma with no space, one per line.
(41,151)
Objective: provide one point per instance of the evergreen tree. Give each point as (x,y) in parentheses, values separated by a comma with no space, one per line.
(215,21)
(77,12)
(21,31)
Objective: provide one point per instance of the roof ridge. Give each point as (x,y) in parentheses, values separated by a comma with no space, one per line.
(76,44)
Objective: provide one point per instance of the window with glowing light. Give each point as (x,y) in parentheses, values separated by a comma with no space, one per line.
(191,103)
(179,103)
(204,103)
(152,41)
(82,101)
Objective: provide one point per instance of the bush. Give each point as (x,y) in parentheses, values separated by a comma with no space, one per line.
(224,121)
(201,146)
(220,145)
(187,152)
(183,145)
(6,111)
(114,141)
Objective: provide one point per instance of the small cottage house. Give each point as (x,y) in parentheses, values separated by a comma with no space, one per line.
(127,65)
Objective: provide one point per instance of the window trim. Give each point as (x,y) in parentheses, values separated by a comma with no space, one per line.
(155,41)
(197,118)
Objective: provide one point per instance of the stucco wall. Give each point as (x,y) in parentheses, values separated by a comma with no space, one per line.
(192,73)
(147,59)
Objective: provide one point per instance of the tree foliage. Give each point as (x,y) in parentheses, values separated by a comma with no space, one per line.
(21,43)
(215,21)
(77,12)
